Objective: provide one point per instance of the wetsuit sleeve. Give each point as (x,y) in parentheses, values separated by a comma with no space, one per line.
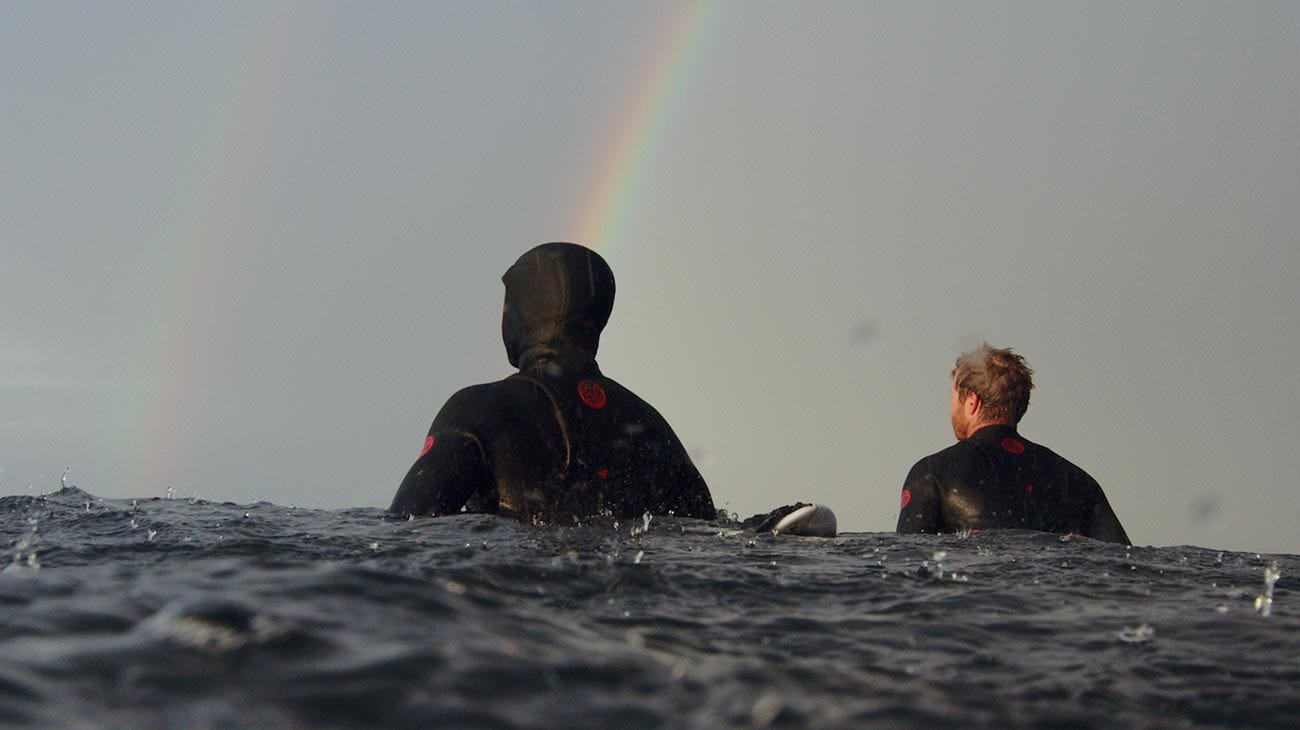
(920,509)
(690,497)
(1104,525)
(678,487)
(447,475)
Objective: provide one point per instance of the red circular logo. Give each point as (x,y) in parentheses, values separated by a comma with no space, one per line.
(591,393)
(907,497)
(428,444)
(1013,446)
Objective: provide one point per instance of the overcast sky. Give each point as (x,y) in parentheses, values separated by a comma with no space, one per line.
(248,249)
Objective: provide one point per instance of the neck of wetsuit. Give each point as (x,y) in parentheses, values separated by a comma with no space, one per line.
(556,358)
(1008,429)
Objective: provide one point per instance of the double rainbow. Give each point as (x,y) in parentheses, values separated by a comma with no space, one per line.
(209,207)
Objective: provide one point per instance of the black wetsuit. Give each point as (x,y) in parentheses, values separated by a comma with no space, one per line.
(557,441)
(996,479)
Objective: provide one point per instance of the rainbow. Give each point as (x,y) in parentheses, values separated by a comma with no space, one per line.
(206,211)
(641,126)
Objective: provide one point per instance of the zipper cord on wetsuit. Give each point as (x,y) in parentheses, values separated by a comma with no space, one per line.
(555,410)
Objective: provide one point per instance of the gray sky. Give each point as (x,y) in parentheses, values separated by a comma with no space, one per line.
(248,249)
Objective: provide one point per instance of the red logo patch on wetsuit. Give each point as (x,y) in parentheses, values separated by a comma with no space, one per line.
(1013,446)
(907,497)
(428,444)
(591,393)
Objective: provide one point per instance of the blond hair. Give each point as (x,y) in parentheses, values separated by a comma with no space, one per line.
(1001,378)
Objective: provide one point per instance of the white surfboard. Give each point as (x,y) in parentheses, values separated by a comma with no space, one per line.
(812,520)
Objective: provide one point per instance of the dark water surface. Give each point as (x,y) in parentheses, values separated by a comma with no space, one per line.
(185,613)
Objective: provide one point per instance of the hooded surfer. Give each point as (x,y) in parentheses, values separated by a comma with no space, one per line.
(558,440)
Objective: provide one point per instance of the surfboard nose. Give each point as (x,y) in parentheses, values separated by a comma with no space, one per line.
(813,520)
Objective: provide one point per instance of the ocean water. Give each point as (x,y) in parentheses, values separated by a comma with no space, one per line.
(170,613)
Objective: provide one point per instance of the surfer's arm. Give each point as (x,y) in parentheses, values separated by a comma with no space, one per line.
(451,470)
(692,497)
(679,487)
(919,509)
(1104,525)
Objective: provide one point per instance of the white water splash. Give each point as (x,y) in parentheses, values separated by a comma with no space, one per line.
(938,557)
(1137,635)
(19,562)
(639,529)
(1264,603)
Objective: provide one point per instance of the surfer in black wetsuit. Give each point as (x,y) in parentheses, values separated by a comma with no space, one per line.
(557,441)
(994,478)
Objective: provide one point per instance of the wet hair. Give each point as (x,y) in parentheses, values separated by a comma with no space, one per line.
(1001,378)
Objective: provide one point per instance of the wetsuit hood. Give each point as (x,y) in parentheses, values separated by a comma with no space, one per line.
(558,299)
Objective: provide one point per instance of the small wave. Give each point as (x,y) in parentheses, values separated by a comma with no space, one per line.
(251,615)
